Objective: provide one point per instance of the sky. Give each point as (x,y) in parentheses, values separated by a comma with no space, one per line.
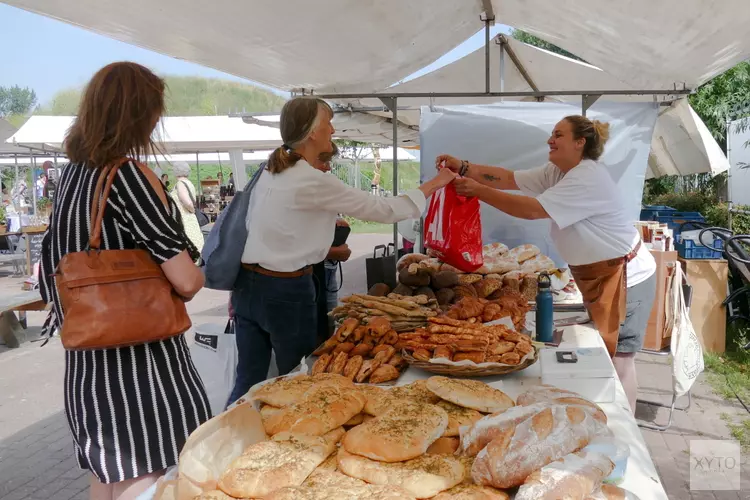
(47,55)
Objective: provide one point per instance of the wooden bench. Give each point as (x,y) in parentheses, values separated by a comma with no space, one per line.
(12,327)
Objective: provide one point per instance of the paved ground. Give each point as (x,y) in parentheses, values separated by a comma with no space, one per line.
(36,454)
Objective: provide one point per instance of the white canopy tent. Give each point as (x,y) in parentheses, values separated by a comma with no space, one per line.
(282,43)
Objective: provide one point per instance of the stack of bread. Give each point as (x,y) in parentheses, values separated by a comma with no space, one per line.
(361,352)
(438,438)
(456,340)
(403,312)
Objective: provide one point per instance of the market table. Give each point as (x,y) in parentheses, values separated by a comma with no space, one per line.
(641,477)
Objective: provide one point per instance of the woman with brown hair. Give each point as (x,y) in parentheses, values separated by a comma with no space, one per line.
(130,409)
(614,271)
(291,224)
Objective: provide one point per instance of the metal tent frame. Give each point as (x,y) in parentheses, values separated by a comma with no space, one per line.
(390,99)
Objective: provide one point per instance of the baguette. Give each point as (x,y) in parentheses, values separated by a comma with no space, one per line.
(574,477)
(520,450)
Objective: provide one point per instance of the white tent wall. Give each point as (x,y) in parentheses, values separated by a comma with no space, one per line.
(739,156)
(514,135)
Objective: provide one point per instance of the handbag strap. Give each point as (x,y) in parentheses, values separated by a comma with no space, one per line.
(104,186)
(193,199)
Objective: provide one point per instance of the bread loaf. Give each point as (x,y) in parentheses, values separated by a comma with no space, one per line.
(286,460)
(443,446)
(478,435)
(555,395)
(574,477)
(321,410)
(458,416)
(472,492)
(213,495)
(284,391)
(523,253)
(612,492)
(538,264)
(423,477)
(470,394)
(520,450)
(326,477)
(403,433)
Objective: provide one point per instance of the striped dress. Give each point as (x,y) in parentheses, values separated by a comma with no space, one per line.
(130,409)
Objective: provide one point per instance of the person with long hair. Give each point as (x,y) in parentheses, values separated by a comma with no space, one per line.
(291,224)
(129,409)
(614,271)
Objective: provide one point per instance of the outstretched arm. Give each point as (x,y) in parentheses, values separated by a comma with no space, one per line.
(495,177)
(523,207)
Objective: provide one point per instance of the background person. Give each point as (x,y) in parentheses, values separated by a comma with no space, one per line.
(185,197)
(129,409)
(291,223)
(590,227)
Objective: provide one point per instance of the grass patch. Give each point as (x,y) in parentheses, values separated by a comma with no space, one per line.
(362,227)
(729,377)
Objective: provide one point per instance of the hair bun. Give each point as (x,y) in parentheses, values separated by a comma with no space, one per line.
(602,130)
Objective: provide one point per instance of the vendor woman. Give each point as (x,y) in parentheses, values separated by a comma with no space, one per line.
(590,227)
(291,224)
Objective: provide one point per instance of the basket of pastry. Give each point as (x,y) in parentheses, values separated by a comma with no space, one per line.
(403,313)
(362,352)
(464,349)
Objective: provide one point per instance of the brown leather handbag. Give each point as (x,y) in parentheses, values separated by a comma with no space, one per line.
(116,298)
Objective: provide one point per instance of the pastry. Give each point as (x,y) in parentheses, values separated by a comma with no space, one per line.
(384,373)
(353,366)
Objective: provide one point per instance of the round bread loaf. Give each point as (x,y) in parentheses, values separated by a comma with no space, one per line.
(470,394)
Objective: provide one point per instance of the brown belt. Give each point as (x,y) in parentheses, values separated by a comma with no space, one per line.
(278,274)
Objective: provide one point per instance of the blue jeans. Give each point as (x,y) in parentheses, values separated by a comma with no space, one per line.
(271,313)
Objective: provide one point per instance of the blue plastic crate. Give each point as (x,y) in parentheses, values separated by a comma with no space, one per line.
(689,249)
(674,220)
(648,212)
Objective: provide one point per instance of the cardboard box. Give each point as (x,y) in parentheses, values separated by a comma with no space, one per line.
(592,376)
(656,338)
(709,281)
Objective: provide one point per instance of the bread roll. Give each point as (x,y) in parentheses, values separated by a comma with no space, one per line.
(574,477)
(547,436)
(403,433)
(472,492)
(458,416)
(284,461)
(213,495)
(321,410)
(423,477)
(523,253)
(470,394)
(360,492)
(538,264)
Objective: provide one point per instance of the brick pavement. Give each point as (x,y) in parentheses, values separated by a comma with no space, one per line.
(36,453)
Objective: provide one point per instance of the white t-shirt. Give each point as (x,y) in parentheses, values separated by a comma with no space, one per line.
(292,215)
(589,223)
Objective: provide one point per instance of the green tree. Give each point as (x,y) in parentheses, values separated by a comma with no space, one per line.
(530,39)
(189,96)
(16,100)
(722,98)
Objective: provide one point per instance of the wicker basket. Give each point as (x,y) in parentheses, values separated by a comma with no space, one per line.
(469,371)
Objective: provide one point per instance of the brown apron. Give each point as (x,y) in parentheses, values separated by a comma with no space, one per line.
(603,286)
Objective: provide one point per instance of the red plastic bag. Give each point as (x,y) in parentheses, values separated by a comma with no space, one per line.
(454,229)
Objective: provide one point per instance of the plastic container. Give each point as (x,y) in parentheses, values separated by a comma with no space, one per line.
(544,309)
(674,220)
(617,451)
(650,211)
(689,249)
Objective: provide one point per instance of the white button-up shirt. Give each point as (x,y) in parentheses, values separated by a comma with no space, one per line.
(292,215)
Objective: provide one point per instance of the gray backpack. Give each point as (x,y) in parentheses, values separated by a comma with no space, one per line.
(222,251)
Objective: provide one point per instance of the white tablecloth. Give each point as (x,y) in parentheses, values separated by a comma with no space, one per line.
(641,477)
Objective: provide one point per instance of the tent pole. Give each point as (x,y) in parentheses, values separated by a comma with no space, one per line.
(487,55)
(502,69)
(33,184)
(729,177)
(394,109)
(198,168)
